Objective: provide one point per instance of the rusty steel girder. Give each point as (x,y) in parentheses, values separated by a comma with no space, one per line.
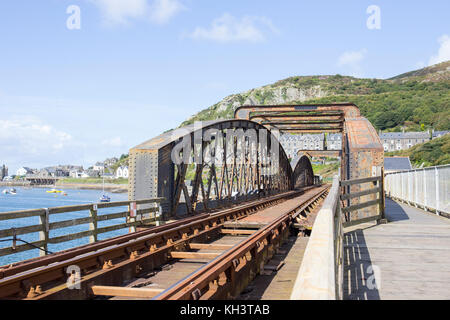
(362,151)
(224,171)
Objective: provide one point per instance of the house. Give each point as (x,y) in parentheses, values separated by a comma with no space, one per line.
(438,134)
(392,164)
(76,173)
(122,172)
(110,161)
(334,141)
(393,141)
(23,171)
(293,143)
(99,166)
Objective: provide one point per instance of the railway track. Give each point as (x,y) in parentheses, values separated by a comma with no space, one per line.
(209,256)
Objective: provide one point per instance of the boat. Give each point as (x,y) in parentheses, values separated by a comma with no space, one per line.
(105,198)
(54,191)
(5,191)
(12,191)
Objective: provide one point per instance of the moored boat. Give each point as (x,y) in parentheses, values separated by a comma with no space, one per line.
(54,191)
(105,198)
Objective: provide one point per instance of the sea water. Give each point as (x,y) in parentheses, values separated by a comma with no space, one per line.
(34,198)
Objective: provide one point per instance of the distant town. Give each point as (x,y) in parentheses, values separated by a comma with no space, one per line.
(111,168)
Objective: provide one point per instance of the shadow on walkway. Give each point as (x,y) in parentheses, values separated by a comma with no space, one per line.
(394,212)
(359,275)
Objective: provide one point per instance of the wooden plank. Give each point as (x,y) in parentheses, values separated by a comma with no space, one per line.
(65,209)
(360,194)
(210,246)
(111,216)
(125,291)
(148,210)
(18,231)
(152,200)
(21,214)
(194,255)
(359,181)
(362,220)
(361,205)
(20,248)
(69,223)
(237,231)
(124,225)
(72,236)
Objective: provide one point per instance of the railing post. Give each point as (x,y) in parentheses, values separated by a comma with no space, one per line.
(436,178)
(44,234)
(132,217)
(382,196)
(425,199)
(416,186)
(93,223)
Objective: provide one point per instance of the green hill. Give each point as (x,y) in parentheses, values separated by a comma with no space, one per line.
(416,100)
(432,153)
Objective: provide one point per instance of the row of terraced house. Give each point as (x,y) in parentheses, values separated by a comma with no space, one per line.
(392,141)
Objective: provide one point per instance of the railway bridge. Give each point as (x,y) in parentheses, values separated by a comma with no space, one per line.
(217,211)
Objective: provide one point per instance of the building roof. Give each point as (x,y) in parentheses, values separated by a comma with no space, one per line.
(300,138)
(439,133)
(405,135)
(397,163)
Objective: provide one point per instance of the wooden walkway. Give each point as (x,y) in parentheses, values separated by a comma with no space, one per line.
(408,258)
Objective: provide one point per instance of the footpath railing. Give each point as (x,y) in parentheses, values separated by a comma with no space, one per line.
(321,273)
(428,188)
(134,216)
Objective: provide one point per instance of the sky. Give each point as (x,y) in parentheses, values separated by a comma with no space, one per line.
(84,80)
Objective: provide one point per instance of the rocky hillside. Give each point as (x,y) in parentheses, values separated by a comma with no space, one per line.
(416,100)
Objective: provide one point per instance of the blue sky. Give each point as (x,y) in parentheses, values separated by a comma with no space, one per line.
(136,68)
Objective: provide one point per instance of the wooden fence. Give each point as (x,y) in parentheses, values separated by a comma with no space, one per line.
(134,217)
(378,187)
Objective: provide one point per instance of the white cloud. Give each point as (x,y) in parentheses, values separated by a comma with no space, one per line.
(122,11)
(444,51)
(113,142)
(30,136)
(229,29)
(119,11)
(351,60)
(163,10)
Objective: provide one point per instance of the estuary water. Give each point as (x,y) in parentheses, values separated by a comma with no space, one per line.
(34,198)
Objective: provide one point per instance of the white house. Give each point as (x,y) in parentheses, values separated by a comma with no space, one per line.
(99,166)
(24,171)
(122,172)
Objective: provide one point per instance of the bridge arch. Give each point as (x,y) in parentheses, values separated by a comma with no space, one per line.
(210,164)
(303,174)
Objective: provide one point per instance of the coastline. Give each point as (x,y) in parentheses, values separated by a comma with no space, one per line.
(111,187)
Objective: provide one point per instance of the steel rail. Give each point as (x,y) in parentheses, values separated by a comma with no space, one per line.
(218,278)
